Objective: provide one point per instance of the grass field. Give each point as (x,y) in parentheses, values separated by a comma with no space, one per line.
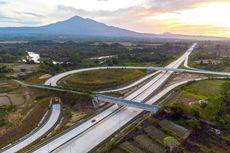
(209,90)
(35,78)
(100,79)
(204,89)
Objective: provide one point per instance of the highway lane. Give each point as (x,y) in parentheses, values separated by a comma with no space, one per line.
(53,80)
(131,85)
(113,123)
(100,130)
(186,62)
(139,95)
(56,111)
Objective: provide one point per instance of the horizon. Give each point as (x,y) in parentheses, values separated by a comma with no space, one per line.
(193,17)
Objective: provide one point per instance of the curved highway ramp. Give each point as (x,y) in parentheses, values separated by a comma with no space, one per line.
(86,136)
(53,119)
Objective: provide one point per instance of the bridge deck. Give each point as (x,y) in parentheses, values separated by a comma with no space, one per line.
(119,101)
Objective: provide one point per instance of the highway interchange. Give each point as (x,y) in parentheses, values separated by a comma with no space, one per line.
(108,121)
(112,119)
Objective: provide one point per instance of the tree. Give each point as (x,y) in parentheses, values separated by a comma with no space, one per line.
(170,142)
(195,113)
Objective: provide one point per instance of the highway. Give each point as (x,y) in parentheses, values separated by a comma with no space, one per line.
(88,135)
(55,114)
(113,118)
(186,63)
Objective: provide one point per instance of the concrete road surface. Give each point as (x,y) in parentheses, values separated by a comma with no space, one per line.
(88,135)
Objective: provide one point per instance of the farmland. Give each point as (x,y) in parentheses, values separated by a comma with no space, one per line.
(211,56)
(22,108)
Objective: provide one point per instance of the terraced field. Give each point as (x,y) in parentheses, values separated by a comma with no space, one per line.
(152,136)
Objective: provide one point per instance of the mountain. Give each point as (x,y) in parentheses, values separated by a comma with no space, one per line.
(74,26)
(84,27)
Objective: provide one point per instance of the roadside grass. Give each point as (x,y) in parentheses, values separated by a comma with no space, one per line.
(209,90)
(132,64)
(34,78)
(205,88)
(24,126)
(100,79)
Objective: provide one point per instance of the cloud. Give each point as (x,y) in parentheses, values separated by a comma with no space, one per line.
(30,14)
(71,10)
(194,29)
(33,14)
(156,16)
(17,21)
(176,5)
(7,19)
(3,2)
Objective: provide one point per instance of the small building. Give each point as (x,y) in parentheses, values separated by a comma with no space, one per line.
(202,102)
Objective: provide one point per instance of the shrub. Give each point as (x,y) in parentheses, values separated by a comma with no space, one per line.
(6,108)
(177,108)
(194,123)
(2,122)
(170,142)
(195,113)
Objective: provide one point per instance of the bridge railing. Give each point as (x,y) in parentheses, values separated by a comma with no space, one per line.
(123,102)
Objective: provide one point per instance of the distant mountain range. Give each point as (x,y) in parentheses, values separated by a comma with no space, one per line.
(84,27)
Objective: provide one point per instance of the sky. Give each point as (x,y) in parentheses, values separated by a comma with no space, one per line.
(189,17)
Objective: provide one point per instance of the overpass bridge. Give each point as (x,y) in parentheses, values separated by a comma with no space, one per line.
(154,68)
(53,81)
(147,107)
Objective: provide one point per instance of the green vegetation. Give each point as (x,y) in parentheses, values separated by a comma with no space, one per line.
(170,142)
(170,129)
(34,78)
(211,56)
(215,92)
(223,115)
(71,55)
(5,69)
(10,53)
(2,122)
(100,79)
(167,132)
(6,108)
(18,120)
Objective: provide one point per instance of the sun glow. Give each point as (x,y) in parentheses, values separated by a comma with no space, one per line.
(212,17)
(195,17)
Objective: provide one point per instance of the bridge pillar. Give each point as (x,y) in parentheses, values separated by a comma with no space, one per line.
(95,102)
(155,110)
(149,70)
